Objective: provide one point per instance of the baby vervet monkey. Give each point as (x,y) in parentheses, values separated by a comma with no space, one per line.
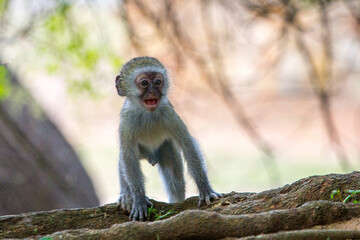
(150,129)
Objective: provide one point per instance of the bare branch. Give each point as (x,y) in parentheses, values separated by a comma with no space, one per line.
(318,76)
(218,77)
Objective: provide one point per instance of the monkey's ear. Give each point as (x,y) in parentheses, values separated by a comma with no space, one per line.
(120,85)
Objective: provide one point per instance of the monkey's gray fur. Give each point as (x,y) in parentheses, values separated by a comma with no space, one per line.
(157,136)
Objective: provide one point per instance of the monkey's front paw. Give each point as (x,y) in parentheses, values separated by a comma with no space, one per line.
(139,210)
(125,202)
(208,196)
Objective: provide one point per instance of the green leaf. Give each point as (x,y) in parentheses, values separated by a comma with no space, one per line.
(115,61)
(5,85)
(334,192)
(76,43)
(52,68)
(151,210)
(91,58)
(3,6)
(83,86)
(55,23)
(347,198)
(166,214)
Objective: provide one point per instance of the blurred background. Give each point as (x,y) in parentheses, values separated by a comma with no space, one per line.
(271,90)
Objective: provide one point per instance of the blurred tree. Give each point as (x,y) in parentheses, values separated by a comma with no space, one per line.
(39,170)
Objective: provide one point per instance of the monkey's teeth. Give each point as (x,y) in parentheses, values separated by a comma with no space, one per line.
(151,101)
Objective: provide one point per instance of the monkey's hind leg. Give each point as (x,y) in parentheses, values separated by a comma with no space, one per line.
(172,171)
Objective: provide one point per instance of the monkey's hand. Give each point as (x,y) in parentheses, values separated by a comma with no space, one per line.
(139,209)
(125,202)
(207,196)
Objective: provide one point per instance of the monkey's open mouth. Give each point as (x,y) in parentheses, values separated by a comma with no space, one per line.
(151,102)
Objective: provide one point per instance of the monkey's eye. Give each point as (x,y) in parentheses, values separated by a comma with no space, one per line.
(157,82)
(144,83)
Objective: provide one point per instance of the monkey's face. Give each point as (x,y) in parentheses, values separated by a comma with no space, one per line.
(150,85)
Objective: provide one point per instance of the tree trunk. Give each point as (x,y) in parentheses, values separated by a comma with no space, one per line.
(39,170)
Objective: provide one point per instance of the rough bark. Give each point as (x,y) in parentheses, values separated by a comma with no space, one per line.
(309,234)
(297,206)
(196,224)
(39,170)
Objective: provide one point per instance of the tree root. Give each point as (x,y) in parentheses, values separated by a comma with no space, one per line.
(196,224)
(290,197)
(308,234)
